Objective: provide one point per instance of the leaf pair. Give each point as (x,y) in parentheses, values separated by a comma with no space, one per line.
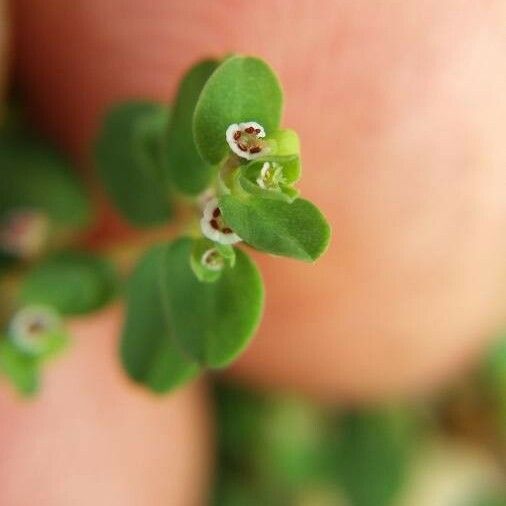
(176,324)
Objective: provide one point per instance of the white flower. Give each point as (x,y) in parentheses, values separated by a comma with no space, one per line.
(212,260)
(246,140)
(23,233)
(213,226)
(271,176)
(32,323)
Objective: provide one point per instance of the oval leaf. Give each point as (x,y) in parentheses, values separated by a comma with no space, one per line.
(241,89)
(71,282)
(33,176)
(296,229)
(148,352)
(213,322)
(128,156)
(189,172)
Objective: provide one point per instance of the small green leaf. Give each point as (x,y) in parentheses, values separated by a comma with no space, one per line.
(71,282)
(148,352)
(285,142)
(34,177)
(189,173)
(129,160)
(241,89)
(297,230)
(22,370)
(213,322)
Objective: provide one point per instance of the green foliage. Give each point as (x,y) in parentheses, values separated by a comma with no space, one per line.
(189,173)
(373,453)
(212,322)
(33,176)
(21,369)
(71,282)
(128,156)
(148,351)
(297,229)
(241,89)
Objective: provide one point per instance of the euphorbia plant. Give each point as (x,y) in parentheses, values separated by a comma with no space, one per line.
(194,301)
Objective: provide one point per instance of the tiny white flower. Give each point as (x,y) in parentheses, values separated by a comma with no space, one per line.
(30,324)
(213,226)
(271,176)
(246,140)
(23,233)
(212,260)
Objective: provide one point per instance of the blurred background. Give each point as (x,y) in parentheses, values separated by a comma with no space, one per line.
(378,376)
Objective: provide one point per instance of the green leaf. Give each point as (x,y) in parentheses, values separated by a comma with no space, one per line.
(241,89)
(33,176)
(129,160)
(22,370)
(148,352)
(71,282)
(213,322)
(373,454)
(189,172)
(297,230)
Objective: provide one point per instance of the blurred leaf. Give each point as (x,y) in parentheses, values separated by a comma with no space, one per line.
(213,322)
(293,438)
(33,176)
(297,230)
(373,455)
(71,282)
(189,173)
(148,352)
(241,89)
(493,375)
(22,370)
(128,155)
(239,413)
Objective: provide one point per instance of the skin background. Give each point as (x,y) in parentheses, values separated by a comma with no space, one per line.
(401,112)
